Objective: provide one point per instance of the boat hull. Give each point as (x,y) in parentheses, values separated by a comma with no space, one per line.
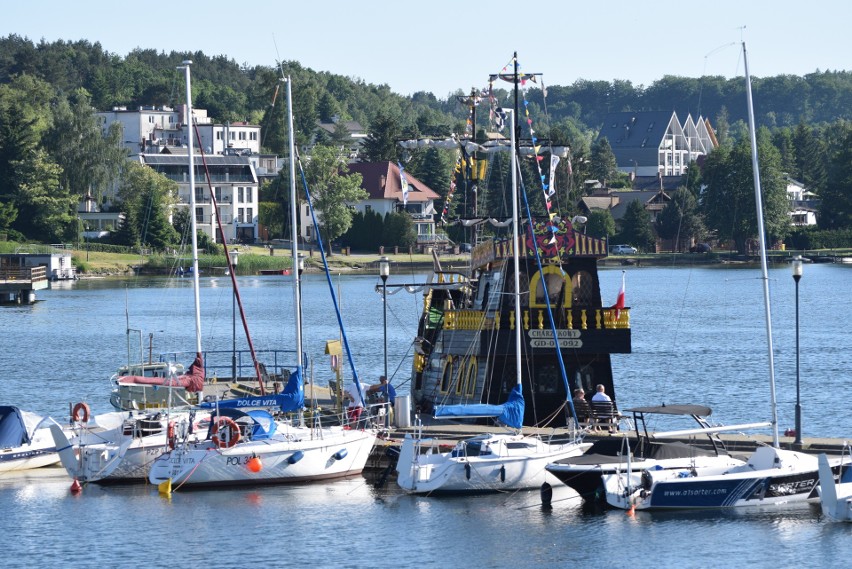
(294,457)
(455,473)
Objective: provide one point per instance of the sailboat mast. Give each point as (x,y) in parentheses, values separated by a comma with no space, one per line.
(192,221)
(294,230)
(761,233)
(516,253)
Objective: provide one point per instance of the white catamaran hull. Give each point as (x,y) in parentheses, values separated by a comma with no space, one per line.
(502,462)
(294,456)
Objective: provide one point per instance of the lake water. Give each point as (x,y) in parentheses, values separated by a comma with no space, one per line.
(698,337)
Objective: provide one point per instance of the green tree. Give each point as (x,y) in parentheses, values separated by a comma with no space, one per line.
(600,224)
(332,190)
(636,227)
(146,198)
(680,219)
(382,136)
(728,202)
(811,164)
(46,212)
(602,165)
(398,230)
(836,209)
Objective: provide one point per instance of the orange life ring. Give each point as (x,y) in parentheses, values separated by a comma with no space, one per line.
(170,435)
(233,432)
(80,413)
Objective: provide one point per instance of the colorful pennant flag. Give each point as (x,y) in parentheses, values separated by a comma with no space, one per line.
(403,182)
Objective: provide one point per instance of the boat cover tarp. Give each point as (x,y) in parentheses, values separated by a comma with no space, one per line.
(510,413)
(289,400)
(192,381)
(13,432)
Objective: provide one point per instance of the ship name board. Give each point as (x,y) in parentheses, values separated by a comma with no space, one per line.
(548,334)
(563,343)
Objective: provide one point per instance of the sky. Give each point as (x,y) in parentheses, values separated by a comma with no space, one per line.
(441,46)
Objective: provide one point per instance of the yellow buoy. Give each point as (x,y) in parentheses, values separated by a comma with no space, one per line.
(165,487)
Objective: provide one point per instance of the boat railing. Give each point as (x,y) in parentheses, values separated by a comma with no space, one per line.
(536,318)
(23,274)
(221,363)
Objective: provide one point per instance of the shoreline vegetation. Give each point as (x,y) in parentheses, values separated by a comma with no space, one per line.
(256,259)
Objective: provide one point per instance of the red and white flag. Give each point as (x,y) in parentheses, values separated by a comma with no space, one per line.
(619,303)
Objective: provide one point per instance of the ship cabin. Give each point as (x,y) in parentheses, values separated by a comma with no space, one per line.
(465,349)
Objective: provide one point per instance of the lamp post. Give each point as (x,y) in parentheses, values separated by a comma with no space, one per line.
(797,275)
(384,271)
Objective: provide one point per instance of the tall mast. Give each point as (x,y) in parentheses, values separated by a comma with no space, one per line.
(761,234)
(294,230)
(515,252)
(193,224)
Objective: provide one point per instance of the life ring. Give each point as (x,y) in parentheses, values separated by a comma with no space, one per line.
(170,435)
(80,413)
(219,425)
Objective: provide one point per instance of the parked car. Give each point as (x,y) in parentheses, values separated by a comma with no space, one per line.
(701,248)
(622,250)
(465,247)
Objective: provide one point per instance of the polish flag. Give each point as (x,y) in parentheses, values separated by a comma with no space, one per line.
(619,303)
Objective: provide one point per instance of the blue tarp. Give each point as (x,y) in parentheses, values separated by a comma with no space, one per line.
(291,399)
(13,432)
(510,413)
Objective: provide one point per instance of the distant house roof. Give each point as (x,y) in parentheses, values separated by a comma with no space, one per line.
(354,127)
(635,137)
(382,181)
(599,202)
(651,200)
(666,183)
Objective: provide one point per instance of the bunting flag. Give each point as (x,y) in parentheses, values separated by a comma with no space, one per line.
(458,169)
(403,182)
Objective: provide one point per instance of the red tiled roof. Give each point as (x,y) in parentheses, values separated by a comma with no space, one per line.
(381,180)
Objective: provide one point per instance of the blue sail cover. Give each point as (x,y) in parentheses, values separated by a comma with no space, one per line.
(289,400)
(510,413)
(13,432)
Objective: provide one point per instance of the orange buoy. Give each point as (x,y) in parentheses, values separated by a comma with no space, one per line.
(76,488)
(254,464)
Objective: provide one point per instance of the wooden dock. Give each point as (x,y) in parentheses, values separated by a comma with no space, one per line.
(18,284)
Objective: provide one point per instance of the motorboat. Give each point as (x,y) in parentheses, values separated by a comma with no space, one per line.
(25,440)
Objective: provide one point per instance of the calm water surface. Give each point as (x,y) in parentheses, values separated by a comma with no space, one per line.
(698,337)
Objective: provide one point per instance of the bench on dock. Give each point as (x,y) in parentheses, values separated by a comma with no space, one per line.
(604,414)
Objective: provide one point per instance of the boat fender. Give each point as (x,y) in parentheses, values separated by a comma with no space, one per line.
(467,470)
(170,435)
(503,473)
(221,425)
(254,464)
(341,454)
(546,492)
(80,413)
(295,457)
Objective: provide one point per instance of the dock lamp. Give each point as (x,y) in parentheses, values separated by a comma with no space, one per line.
(797,275)
(384,272)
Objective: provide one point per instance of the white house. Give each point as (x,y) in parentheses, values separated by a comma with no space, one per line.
(381,180)
(655,143)
(803,204)
(235,186)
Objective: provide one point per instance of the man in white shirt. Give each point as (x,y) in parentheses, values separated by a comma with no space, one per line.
(601,394)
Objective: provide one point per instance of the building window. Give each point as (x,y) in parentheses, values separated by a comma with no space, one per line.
(199,215)
(249,215)
(240,195)
(253,135)
(231,135)
(240,212)
(219,135)
(248,195)
(242,135)
(307,210)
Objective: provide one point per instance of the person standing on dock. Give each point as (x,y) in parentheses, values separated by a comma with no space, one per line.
(387,393)
(355,395)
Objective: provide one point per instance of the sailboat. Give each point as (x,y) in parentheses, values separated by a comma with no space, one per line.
(253,446)
(487,462)
(771,475)
(835,498)
(120,446)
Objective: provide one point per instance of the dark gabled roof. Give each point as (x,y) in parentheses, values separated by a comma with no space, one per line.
(628,196)
(635,136)
(354,127)
(382,181)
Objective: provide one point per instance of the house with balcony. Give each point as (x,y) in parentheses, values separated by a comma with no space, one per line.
(656,143)
(804,204)
(381,180)
(235,186)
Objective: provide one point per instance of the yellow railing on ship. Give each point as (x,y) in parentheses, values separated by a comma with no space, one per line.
(567,318)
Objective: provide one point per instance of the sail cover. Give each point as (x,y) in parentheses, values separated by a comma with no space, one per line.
(291,399)
(192,381)
(510,413)
(13,432)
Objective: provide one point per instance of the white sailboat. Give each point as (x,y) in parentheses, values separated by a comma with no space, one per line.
(256,448)
(120,446)
(835,498)
(771,475)
(488,462)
